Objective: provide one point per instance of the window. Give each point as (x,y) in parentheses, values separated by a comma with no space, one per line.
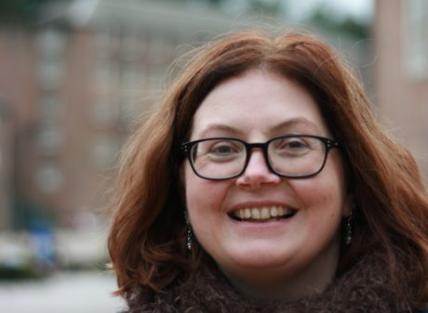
(49,139)
(415,38)
(49,178)
(50,42)
(50,45)
(50,106)
(104,151)
(105,110)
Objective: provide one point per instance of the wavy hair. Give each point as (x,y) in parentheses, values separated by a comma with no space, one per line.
(147,237)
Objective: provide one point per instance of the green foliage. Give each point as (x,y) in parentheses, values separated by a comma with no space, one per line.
(266,7)
(269,7)
(29,271)
(353,27)
(350,26)
(24,12)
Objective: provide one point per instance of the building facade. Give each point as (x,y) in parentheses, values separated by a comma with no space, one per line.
(6,166)
(76,85)
(401,72)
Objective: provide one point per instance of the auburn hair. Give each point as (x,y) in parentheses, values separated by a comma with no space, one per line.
(147,237)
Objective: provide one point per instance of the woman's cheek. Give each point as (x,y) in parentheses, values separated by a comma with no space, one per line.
(204,195)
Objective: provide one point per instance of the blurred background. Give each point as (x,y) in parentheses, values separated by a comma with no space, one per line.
(75,76)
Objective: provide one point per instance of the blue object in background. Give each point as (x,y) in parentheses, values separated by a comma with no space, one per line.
(43,244)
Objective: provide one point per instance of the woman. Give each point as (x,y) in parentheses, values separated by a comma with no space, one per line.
(263,183)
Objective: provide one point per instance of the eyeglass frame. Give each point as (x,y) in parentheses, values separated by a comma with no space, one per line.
(328,143)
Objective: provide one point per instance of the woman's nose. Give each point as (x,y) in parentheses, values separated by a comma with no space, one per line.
(257,172)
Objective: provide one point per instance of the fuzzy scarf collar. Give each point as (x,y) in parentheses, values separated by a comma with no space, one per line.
(364,289)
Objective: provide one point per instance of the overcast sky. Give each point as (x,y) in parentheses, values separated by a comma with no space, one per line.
(360,9)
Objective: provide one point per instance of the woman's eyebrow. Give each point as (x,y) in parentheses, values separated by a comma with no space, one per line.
(295,122)
(220,128)
(281,127)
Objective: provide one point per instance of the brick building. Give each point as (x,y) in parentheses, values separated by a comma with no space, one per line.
(6,165)
(401,72)
(76,83)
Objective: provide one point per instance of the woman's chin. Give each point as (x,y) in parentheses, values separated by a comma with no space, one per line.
(259,256)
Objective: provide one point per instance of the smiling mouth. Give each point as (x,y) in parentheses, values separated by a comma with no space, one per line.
(263,214)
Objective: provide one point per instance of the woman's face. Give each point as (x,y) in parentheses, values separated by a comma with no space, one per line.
(291,253)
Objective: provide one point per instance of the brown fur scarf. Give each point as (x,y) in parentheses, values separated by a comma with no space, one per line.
(364,289)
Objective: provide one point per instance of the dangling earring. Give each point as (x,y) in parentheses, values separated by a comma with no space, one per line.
(189,237)
(189,234)
(348,230)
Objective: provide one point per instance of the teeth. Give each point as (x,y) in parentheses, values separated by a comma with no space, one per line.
(273,211)
(255,213)
(241,214)
(247,213)
(263,213)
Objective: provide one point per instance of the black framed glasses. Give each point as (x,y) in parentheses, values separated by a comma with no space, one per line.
(290,156)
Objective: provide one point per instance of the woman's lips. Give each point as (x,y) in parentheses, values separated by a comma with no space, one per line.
(262,213)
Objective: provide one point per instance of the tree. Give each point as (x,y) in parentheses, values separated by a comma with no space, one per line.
(323,18)
(22,12)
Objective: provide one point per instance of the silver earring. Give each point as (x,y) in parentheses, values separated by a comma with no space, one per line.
(189,237)
(348,230)
(189,234)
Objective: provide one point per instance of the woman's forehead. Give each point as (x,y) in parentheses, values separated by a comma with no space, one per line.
(258,99)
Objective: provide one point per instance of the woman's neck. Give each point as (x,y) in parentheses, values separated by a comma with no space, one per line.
(271,285)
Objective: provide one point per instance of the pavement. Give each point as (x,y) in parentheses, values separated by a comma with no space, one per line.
(64,292)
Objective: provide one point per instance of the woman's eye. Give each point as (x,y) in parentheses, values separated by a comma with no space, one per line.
(296,144)
(222,149)
(292,146)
